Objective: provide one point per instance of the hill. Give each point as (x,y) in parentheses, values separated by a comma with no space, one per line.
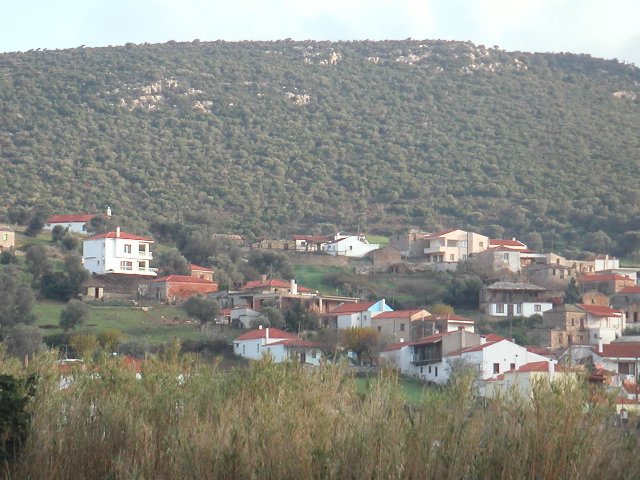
(266,138)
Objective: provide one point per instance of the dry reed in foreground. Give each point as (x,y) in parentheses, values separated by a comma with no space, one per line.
(188,419)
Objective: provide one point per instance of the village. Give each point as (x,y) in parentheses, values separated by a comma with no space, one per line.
(588,308)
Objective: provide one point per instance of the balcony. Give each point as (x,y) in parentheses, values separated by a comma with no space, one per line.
(420,360)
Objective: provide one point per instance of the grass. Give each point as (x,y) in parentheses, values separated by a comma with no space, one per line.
(156,326)
(313,277)
(379,239)
(188,419)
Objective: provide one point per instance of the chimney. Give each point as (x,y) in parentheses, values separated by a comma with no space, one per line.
(263,277)
(293,287)
(552,367)
(402,340)
(600,349)
(117,232)
(483,340)
(108,211)
(266,335)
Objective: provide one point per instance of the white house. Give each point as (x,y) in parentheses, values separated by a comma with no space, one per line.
(280,345)
(434,358)
(118,252)
(603,323)
(350,246)
(523,378)
(74,223)
(507,299)
(350,315)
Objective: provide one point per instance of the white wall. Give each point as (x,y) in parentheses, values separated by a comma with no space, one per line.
(358,319)
(525,309)
(104,255)
(350,247)
(74,227)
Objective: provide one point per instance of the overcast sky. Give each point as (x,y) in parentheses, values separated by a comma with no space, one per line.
(602,28)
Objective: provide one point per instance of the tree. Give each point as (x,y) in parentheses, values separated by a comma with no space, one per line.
(58,233)
(69,242)
(202,309)
(109,339)
(74,314)
(274,264)
(8,257)
(361,341)
(440,309)
(572,293)
(84,344)
(37,261)
(22,340)
(67,284)
(172,262)
(36,224)
(16,299)
(598,242)
(300,318)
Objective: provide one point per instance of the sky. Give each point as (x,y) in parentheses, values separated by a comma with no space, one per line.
(601,28)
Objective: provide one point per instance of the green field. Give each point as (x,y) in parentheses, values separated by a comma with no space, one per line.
(156,326)
(313,277)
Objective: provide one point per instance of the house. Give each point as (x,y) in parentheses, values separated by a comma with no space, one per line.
(436,357)
(355,246)
(607,283)
(445,249)
(523,378)
(74,223)
(119,253)
(506,299)
(310,243)
(7,237)
(278,344)
(239,317)
(395,325)
(201,272)
(350,315)
(550,275)
(441,323)
(178,288)
(628,300)
(605,262)
(512,244)
(410,244)
(498,259)
(582,324)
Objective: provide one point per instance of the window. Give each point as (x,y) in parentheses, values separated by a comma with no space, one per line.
(142,248)
(481,244)
(402,327)
(258,348)
(313,353)
(518,309)
(127,248)
(626,368)
(429,369)
(506,257)
(451,257)
(420,369)
(243,352)
(537,308)
(573,322)
(436,369)
(350,247)
(499,308)
(512,366)
(142,265)
(5,236)
(464,256)
(496,368)
(379,329)
(124,265)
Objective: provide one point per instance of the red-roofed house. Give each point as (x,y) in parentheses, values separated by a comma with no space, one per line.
(278,344)
(118,252)
(512,244)
(396,324)
(75,223)
(201,272)
(628,300)
(445,249)
(350,315)
(523,378)
(608,283)
(603,323)
(178,288)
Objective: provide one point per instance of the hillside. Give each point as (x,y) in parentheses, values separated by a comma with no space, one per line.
(266,138)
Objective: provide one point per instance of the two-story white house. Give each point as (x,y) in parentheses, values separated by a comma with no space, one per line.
(118,252)
(351,315)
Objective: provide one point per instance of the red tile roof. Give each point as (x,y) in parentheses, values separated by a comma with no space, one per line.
(193,266)
(356,307)
(430,339)
(501,248)
(622,349)
(602,277)
(273,283)
(395,346)
(183,279)
(635,289)
(274,333)
(633,388)
(505,242)
(297,343)
(599,310)
(442,233)
(83,217)
(447,316)
(398,314)
(123,235)
(542,366)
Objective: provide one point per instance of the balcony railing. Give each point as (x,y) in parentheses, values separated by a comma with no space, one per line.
(419,360)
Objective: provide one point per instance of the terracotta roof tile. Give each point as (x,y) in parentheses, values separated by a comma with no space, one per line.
(274,333)
(600,310)
(356,307)
(82,217)
(123,235)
